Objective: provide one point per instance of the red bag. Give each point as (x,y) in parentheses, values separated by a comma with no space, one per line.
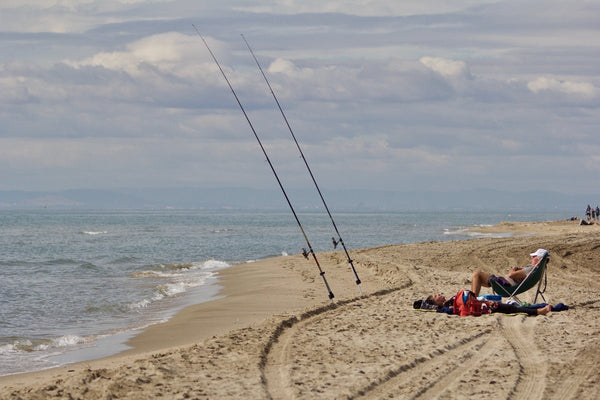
(466,303)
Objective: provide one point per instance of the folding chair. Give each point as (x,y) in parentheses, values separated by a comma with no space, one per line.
(534,277)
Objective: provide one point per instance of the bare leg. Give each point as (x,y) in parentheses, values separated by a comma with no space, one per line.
(480,279)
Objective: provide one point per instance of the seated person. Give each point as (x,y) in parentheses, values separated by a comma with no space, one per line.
(439,303)
(515,275)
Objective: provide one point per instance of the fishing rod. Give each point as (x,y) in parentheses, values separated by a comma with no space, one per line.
(334,241)
(311,251)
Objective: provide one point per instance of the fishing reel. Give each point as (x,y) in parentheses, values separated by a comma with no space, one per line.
(335,242)
(305,253)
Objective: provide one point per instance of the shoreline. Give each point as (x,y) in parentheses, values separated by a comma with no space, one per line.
(263,281)
(256,298)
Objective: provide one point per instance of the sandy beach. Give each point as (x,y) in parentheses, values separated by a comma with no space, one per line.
(274,334)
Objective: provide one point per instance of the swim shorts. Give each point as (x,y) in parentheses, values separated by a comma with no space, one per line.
(500,279)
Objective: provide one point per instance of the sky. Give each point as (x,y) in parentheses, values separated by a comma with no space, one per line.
(382,95)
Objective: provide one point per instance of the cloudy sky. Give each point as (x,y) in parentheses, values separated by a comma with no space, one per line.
(391,95)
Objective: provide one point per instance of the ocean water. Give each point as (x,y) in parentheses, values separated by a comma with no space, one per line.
(74,285)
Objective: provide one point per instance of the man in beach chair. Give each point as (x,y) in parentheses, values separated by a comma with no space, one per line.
(517,281)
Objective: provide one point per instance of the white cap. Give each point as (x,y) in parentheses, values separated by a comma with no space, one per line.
(540,253)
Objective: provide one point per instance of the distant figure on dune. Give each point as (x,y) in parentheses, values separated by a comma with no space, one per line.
(588,213)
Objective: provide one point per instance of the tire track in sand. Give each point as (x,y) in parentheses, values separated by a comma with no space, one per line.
(519,331)
(456,363)
(274,365)
(282,360)
(582,370)
(274,361)
(471,350)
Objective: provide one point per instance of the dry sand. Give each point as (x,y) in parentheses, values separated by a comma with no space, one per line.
(275,334)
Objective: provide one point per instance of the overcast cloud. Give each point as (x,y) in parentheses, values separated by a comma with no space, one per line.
(411,95)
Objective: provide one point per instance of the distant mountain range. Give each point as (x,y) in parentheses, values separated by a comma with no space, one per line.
(302,200)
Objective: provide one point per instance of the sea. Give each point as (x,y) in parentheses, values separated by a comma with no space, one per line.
(75,285)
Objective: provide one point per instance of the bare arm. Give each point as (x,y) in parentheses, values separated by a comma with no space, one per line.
(517,274)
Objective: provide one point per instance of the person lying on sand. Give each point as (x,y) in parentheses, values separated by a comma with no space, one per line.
(439,303)
(515,275)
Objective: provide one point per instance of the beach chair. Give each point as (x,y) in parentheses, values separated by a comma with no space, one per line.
(535,276)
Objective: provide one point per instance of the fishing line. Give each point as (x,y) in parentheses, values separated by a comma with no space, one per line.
(334,241)
(311,251)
